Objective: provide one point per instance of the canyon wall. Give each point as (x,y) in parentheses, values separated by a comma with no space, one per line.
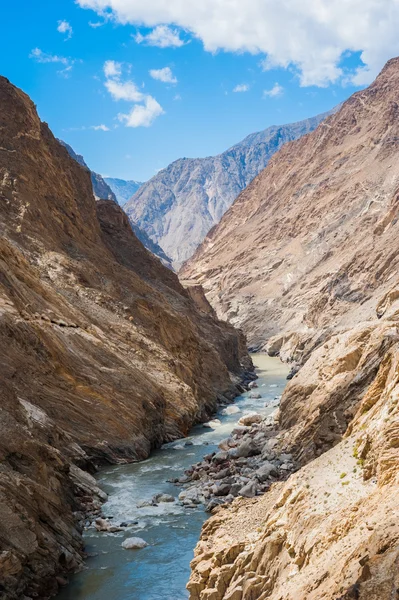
(103,354)
(313,275)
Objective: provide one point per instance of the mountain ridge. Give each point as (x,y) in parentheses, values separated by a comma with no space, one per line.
(183,201)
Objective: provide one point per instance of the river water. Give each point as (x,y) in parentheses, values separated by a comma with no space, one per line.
(160,571)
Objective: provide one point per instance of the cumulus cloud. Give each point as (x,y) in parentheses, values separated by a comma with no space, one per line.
(164,75)
(311,36)
(241,87)
(161,36)
(145,109)
(65,27)
(142,115)
(112,68)
(274,92)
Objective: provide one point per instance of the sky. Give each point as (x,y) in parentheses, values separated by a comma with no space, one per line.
(134,84)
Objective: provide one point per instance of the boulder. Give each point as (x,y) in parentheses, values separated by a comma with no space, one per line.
(255,395)
(231,410)
(212,424)
(247,448)
(252,385)
(247,420)
(265,471)
(220,457)
(163,498)
(134,543)
(248,490)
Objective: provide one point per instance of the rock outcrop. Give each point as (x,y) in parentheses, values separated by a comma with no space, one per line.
(103,191)
(180,204)
(315,234)
(103,353)
(314,261)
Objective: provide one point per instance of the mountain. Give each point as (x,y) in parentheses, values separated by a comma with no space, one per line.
(102,190)
(122,189)
(180,204)
(307,261)
(104,355)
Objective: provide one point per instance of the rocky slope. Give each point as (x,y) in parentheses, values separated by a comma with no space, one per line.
(122,189)
(179,205)
(315,240)
(102,190)
(103,354)
(321,271)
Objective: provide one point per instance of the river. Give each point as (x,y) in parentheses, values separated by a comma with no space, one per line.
(160,571)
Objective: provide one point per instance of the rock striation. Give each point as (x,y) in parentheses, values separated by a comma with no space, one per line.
(103,354)
(181,203)
(315,234)
(314,264)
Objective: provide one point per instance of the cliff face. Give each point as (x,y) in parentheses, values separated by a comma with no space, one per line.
(179,205)
(315,240)
(103,353)
(315,259)
(102,191)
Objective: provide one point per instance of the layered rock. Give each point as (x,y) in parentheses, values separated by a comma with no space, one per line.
(104,354)
(315,234)
(180,204)
(331,530)
(314,261)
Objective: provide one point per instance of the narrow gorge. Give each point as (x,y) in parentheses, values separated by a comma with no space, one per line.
(247,406)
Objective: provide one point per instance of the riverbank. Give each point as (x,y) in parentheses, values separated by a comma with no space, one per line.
(172,530)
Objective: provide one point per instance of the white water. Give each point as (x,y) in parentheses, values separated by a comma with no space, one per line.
(160,571)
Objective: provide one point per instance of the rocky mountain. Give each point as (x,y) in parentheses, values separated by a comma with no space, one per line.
(103,354)
(181,203)
(102,190)
(307,261)
(122,189)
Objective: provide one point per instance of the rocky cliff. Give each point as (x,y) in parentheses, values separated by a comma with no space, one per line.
(103,354)
(179,205)
(122,189)
(315,240)
(315,262)
(103,190)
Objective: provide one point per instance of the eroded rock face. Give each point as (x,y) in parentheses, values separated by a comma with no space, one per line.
(103,353)
(324,279)
(180,204)
(311,243)
(331,530)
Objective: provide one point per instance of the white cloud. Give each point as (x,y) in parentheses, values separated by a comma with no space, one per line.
(311,36)
(142,115)
(65,27)
(165,75)
(126,90)
(96,24)
(274,92)
(241,87)
(112,68)
(161,36)
(145,110)
(42,57)
(66,73)
(99,127)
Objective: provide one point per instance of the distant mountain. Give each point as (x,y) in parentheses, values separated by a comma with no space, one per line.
(122,189)
(103,191)
(181,203)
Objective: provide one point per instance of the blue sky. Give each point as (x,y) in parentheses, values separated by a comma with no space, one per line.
(199,115)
